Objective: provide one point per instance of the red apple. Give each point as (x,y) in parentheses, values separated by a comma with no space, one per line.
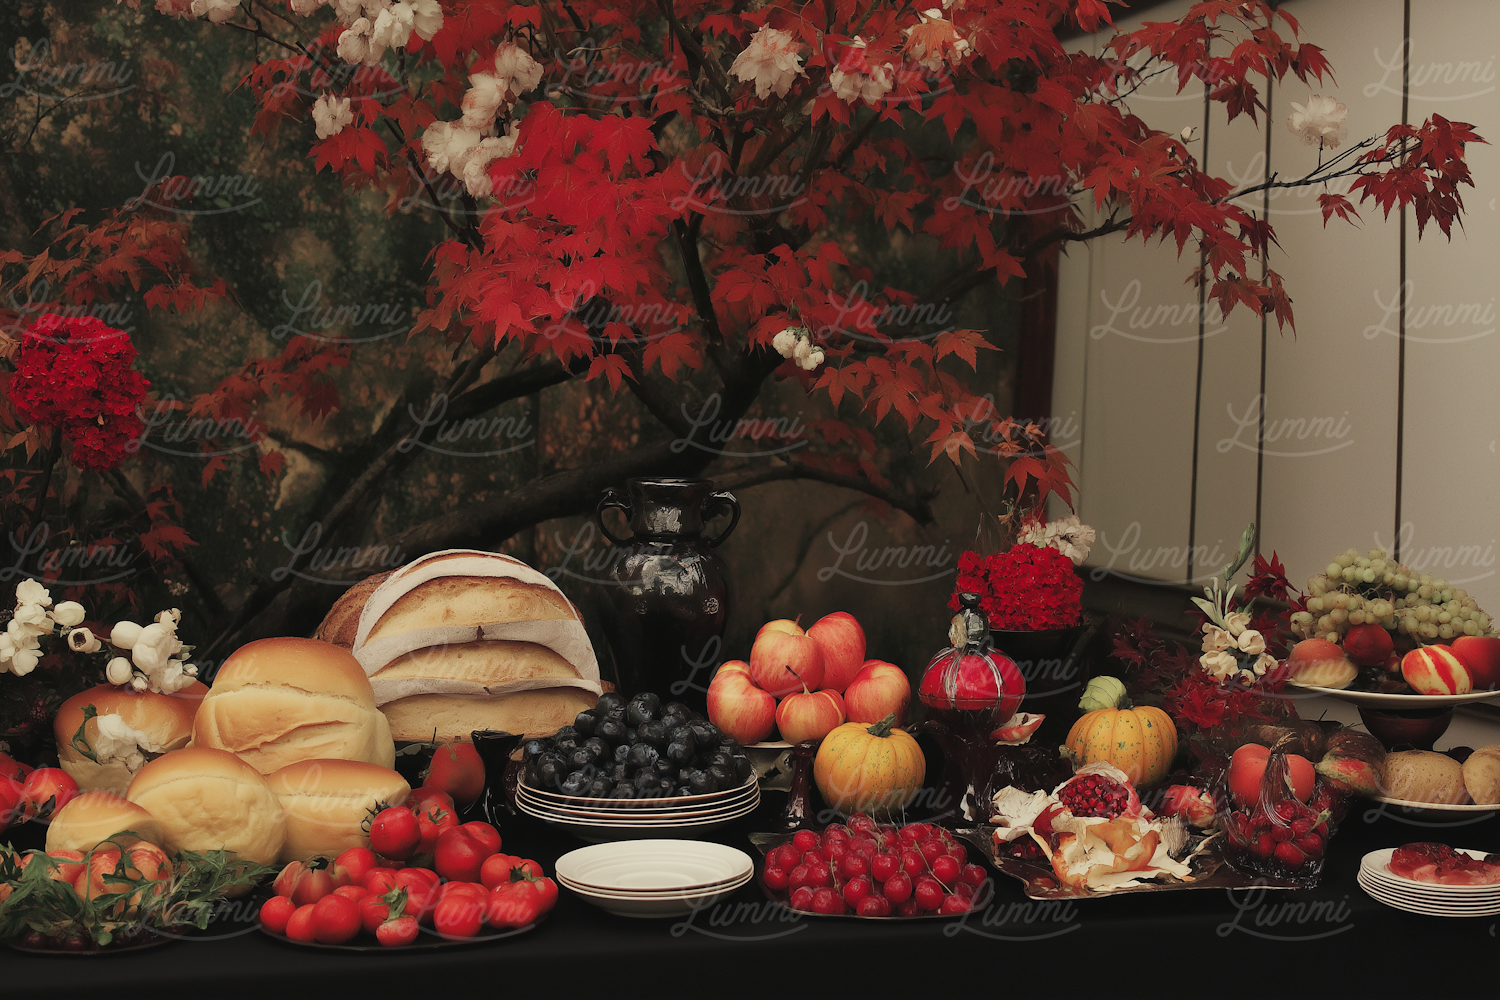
(1368,645)
(1481,654)
(842,643)
(809,715)
(738,707)
(733,667)
(1436,670)
(878,690)
(786,625)
(782,663)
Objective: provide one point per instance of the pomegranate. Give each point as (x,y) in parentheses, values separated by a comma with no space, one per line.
(1096,795)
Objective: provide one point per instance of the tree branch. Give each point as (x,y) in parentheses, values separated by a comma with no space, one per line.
(917,506)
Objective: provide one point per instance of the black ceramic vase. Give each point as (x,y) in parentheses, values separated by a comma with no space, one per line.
(668,590)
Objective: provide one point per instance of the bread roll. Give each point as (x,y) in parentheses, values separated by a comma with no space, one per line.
(341,624)
(484,661)
(1424,776)
(1482,775)
(166,719)
(325,803)
(278,701)
(471,601)
(94,817)
(209,800)
(531,713)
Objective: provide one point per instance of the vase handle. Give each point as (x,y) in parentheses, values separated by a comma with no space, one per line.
(714,501)
(611,498)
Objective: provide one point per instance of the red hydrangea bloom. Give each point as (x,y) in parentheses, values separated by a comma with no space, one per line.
(74,373)
(1027,588)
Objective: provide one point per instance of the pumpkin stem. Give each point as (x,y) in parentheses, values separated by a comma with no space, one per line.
(883,728)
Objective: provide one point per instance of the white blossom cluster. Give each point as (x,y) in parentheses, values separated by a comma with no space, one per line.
(157,658)
(771,60)
(1232,650)
(1322,121)
(467,147)
(1068,535)
(795,342)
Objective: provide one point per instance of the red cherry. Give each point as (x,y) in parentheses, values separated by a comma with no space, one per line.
(931,850)
(802,898)
(819,875)
(913,863)
(799,876)
(805,840)
(856,889)
(965,890)
(874,906)
(908,909)
(884,865)
(827,900)
(776,878)
(786,857)
(973,875)
(851,865)
(946,868)
(897,888)
(928,894)
(954,904)
(957,850)
(860,823)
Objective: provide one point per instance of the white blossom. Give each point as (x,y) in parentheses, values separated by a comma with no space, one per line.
(392,28)
(1220,665)
(1263,663)
(1236,622)
(802,350)
(69,613)
(171,614)
(115,740)
(124,635)
(31,592)
(354,43)
(1322,120)
(855,79)
(81,640)
(157,644)
(331,114)
(1251,641)
(1215,639)
(33,618)
(515,64)
(813,360)
(218,11)
(139,684)
(771,60)
(306,7)
(487,93)
(23,662)
(784,341)
(427,18)
(118,671)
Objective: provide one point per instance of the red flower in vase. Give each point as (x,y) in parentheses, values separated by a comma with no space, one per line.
(75,374)
(1026,588)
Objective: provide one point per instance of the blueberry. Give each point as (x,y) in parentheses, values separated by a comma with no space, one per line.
(743,768)
(532,749)
(643,780)
(575,783)
(585,721)
(609,700)
(672,721)
(567,744)
(621,753)
(551,768)
(676,708)
(680,753)
(582,759)
(600,788)
(653,733)
(642,755)
(706,733)
(600,749)
(723,777)
(612,730)
(701,782)
(638,712)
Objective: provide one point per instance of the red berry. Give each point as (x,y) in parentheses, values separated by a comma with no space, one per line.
(874,906)
(958,852)
(799,876)
(856,889)
(802,898)
(897,888)
(913,863)
(914,832)
(819,854)
(805,840)
(818,875)
(1311,845)
(1286,810)
(860,823)
(851,865)
(928,894)
(884,865)
(776,878)
(908,909)
(972,875)
(827,900)
(954,904)
(1262,846)
(1095,795)
(946,868)
(931,850)
(1290,854)
(1281,833)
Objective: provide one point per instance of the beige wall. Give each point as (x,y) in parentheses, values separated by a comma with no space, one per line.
(1325,477)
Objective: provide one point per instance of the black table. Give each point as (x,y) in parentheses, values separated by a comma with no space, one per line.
(1334,940)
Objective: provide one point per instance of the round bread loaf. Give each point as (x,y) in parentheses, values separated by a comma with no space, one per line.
(94,817)
(539,712)
(341,625)
(484,661)
(166,719)
(278,701)
(326,802)
(1482,775)
(210,800)
(1424,776)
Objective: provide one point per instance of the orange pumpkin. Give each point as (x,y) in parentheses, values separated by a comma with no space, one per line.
(874,769)
(1139,741)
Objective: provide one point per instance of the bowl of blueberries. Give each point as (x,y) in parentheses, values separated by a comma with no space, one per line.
(636,768)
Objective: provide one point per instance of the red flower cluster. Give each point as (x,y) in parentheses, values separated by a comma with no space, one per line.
(1027,588)
(74,373)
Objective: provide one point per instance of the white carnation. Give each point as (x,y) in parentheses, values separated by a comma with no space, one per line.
(1220,665)
(515,64)
(771,60)
(354,43)
(33,618)
(331,114)
(157,644)
(1251,641)
(218,11)
(1320,120)
(392,28)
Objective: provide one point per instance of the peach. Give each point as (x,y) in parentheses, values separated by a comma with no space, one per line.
(842,643)
(878,690)
(1436,670)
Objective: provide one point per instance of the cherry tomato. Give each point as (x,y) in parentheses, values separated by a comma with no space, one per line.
(802,898)
(528,867)
(380,880)
(514,905)
(62,865)
(354,892)
(402,930)
(460,855)
(335,919)
(395,833)
(458,916)
(431,822)
(275,912)
(457,770)
(299,926)
(546,891)
(358,862)
(776,879)
(374,911)
(13,769)
(46,790)
(421,799)
(421,891)
(496,870)
(10,801)
(309,881)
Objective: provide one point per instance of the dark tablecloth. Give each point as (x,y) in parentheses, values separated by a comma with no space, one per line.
(1334,940)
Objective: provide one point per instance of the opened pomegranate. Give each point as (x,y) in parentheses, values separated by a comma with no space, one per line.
(1095,795)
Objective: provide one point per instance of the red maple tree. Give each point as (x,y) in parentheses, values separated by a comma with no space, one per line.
(643,189)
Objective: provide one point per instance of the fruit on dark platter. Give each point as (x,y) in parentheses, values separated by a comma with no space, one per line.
(668,751)
(873,870)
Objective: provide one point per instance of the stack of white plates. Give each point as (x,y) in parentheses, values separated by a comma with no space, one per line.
(601,820)
(654,878)
(1377,879)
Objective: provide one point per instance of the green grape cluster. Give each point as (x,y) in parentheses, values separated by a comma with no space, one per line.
(1373,588)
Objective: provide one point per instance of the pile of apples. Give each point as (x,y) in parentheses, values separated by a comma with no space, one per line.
(805,683)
